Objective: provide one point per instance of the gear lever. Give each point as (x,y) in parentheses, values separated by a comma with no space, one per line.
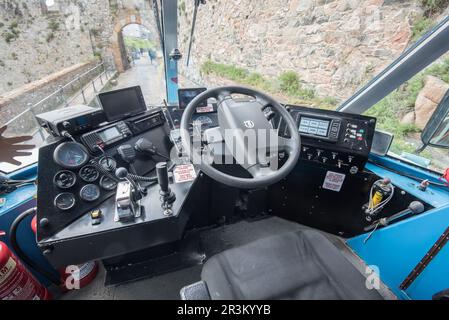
(127,197)
(122,174)
(167,196)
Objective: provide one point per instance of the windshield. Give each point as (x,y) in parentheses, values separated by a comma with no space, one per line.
(58,53)
(319,54)
(55,54)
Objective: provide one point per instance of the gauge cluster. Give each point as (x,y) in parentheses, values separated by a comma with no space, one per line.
(79,180)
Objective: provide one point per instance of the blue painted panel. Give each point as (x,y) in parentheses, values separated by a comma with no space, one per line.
(398,248)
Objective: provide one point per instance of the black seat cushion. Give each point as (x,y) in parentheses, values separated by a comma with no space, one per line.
(294,265)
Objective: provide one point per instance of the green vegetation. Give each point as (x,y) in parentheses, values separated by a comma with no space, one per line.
(420,27)
(432,7)
(12,33)
(392,108)
(135,44)
(53,25)
(287,84)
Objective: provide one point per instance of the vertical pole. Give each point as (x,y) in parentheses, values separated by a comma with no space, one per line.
(170,35)
(61,93)
(30,108)
(82,90)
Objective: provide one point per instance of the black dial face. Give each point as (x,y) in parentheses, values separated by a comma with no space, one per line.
(64,201)
(108,163)
(70,155)
(89,173)
(64,179)
(90,192)
(107,183)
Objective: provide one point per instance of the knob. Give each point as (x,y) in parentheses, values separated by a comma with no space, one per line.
(324,159)
(121,173)
(318,152)
(66,124)
(334,155)
(44,222)
(162,176)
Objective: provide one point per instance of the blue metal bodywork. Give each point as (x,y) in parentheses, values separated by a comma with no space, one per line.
(15,203)
(395,250)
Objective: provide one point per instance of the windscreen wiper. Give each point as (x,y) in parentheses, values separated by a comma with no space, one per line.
(195,11)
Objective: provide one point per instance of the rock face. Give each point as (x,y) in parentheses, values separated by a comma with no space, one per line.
(36,40)
(335,46)
(428,99)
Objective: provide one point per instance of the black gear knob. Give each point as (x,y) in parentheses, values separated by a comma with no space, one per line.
(162,176)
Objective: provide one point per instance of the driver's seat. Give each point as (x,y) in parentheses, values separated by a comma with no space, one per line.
(293,265)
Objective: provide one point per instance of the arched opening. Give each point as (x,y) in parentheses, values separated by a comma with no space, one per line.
(138,57)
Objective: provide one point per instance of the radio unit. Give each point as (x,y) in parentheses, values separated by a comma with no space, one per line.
(75,120)
(104,137)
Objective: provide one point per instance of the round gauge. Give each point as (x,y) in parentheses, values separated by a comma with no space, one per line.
(64,201)
(89,173)
(107,183)
(70,155)
(90,192)
(204,120)
(108,163)
(64,179)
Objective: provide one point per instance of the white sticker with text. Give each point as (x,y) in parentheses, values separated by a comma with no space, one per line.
(184,173)
(333,181)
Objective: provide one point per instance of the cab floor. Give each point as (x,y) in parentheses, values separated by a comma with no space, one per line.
(167,286)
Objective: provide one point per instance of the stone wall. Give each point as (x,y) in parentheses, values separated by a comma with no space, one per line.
(36,42)
(44,47)
(18,100)
(334,45)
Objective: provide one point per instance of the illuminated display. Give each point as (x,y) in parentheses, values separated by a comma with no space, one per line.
(317,127)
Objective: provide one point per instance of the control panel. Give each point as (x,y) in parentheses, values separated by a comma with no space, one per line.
(107,136)
(76,176)
(338,140)
(122,130)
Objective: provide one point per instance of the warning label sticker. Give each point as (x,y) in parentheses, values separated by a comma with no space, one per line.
(208,108)
(333,181)
(184,173)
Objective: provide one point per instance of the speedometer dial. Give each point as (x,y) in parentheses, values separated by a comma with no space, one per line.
(70,155)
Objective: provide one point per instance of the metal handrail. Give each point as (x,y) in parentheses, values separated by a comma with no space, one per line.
(60,91)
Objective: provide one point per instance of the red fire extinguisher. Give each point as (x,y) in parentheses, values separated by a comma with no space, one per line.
(16,282)
(74,277)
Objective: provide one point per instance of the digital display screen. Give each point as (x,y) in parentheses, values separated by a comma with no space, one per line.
(317,127)
(109,134)
(187,95)
(120,104)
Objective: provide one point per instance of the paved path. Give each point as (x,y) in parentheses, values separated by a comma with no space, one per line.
(150,77)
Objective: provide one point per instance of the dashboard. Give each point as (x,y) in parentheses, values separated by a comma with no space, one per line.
(78,176)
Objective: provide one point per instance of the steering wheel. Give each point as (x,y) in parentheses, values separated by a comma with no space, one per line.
(247,135)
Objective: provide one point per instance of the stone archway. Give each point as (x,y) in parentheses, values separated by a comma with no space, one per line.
(117,43)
